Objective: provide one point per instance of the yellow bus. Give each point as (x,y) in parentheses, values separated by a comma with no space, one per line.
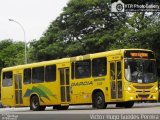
(159,91)
(119,77)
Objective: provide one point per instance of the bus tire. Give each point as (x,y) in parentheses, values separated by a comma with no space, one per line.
(129,104)
(35,104)
(99,100)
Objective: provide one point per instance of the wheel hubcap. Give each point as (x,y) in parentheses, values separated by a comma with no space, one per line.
(35,103)
(99,100)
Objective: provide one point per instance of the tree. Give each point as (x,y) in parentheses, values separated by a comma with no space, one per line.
(12,53)
(85,26)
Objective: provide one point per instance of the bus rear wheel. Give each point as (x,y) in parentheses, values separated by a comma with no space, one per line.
(99,101)
(35,104)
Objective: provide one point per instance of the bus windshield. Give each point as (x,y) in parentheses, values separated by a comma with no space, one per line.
(140,70)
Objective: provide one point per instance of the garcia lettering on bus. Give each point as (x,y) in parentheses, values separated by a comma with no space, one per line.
(82,83)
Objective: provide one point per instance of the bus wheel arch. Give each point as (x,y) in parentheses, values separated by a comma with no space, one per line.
(35,103)
(98,99)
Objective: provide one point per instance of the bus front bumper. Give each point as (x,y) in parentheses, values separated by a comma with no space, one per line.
(141,96)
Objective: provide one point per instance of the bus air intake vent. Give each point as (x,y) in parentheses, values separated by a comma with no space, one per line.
(143,87)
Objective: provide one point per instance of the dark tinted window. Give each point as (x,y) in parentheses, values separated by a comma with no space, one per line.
(72,68)
(99,66)
(27,76)
(119,71)
(38,75)
(83,69)
(7,79)
(50,74)
(112,71)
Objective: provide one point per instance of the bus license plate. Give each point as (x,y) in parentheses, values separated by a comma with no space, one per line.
(144,98)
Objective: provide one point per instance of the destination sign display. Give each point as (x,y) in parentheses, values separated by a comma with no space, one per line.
(133,54)
(138,54)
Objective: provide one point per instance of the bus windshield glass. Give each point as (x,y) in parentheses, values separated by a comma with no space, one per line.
(140,70)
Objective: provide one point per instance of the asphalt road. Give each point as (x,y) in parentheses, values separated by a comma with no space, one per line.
(139,111)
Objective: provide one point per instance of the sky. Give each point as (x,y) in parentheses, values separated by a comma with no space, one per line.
(34,15)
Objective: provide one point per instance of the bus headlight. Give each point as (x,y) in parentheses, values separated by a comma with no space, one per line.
(129,89)
(156,88)
(154,97)
(131,98)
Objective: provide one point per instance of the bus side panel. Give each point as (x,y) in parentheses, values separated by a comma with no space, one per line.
(81,91)
(9,98)
(107,88)
(47,92)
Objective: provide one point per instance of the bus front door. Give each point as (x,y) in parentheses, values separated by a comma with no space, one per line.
(116,80)
(65,85)
(18,89)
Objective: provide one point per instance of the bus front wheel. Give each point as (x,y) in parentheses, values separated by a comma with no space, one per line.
(99,100)
(35,104)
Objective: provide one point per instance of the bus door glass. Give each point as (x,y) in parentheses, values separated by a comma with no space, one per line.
(65,85)
(116,79)
(7,90)
(18,89)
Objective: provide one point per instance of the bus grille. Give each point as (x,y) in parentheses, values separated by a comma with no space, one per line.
(143,87)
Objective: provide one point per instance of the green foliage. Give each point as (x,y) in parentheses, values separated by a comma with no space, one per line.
(85,26)
(142,28)
(12,53)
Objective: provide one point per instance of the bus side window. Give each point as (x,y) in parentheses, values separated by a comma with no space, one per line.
(7,79)
(50,73)
(83,69)
(99,67)
(27,76)
(119,70)
(112,71)
(38,75)
(73,70)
